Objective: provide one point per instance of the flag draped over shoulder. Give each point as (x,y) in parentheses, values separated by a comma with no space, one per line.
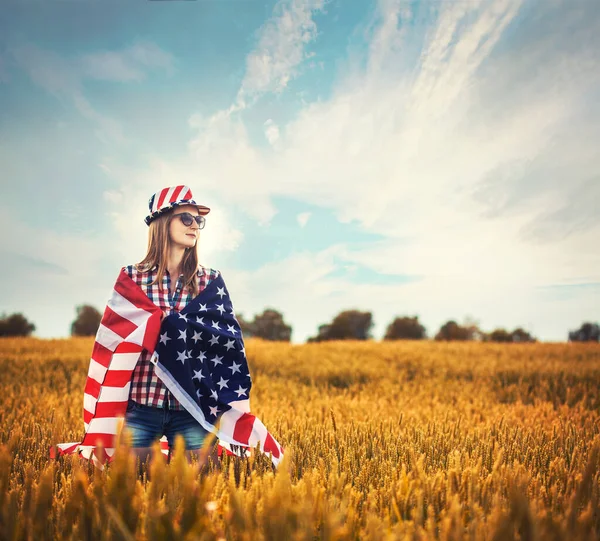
(131,323)
(199,354)
(201,358)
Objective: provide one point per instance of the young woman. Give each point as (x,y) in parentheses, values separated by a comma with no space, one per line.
(169,354)
(171,277)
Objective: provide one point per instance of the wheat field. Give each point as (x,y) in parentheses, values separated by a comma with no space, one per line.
(393,440)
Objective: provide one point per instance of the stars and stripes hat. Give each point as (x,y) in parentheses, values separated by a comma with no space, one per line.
(169,198)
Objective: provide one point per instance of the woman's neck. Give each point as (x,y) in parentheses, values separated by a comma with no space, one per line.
(174,260)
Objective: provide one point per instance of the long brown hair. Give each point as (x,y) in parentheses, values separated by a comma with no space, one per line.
(158,251)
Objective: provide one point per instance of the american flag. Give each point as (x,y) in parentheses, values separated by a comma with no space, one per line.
(201,358)
(132,322)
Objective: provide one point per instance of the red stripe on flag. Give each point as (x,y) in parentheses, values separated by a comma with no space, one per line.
(68,450)
(92,387)
(161,197)
(101,455)
(271,446)
(111,409)
(101,355)
(127,288)
(128,347)
(243,428)
(117,324)
(106,440)
(87,416)
(117,378)
(188,195)
(175,194)
(152,331)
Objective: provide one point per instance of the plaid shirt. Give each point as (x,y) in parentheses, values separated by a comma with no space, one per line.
(146,387)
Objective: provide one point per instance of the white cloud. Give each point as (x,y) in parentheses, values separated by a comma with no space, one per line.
(303,218)
(65,78)
(127,65)
(271,132)
(113,197)
(435,299)
(280,50)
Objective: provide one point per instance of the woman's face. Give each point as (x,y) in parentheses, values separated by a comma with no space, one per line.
(180,234)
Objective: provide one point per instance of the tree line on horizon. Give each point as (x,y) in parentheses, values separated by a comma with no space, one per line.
(347,325)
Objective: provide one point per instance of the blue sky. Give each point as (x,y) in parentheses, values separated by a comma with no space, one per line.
(431,158)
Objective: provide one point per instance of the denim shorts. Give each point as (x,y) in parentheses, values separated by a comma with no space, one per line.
(147,424)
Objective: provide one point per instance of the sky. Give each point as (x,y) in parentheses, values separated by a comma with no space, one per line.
(432,158)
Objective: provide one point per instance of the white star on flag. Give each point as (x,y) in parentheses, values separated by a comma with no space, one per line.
(200,320)
(235,368)
(197,336)
(182,335)
(182,316)
(240,391)
(215,325)
(216,360)
(222,383)
(202,308)
(229,344)
(221,291)
(232,329)
(214,340)
(220,308)
(164,338)
(198,375)
(214,394)
(214,410)
(181,356)
(202,356)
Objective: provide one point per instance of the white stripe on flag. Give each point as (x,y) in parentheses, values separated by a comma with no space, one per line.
(259,433)
(124,361)
(127,310)
(89,403)
(228,420)
(137,336)
(103,425)
(107,394)
(107,338)
(241,405)
(96,371)
(114,394)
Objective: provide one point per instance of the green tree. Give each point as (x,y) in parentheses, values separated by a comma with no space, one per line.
(588,332)
(347,325)
(15,325)
(87,321)
(269,325)
(405,328)
(453,331)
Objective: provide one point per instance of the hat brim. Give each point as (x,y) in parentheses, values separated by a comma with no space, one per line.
(202,210)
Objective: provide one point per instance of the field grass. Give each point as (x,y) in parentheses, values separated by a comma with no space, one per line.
(399,440)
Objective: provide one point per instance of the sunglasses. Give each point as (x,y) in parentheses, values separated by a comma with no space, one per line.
(187,219)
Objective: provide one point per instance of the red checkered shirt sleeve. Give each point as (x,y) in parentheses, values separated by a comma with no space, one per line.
(146,387)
